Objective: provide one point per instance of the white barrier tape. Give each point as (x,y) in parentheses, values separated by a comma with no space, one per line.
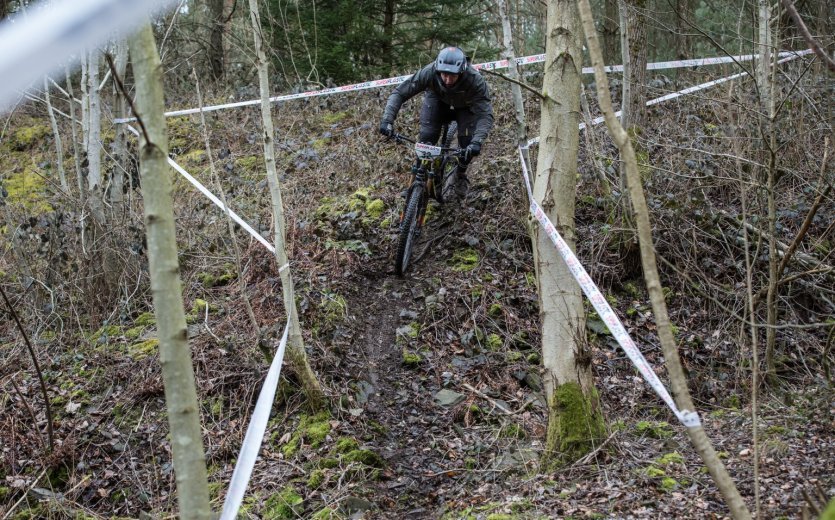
(254,435)
(702,86)
(283,267)
(214,199)
(604,310)
(492,65)
(38,44)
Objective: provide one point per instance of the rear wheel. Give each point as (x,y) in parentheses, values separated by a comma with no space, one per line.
(409,228)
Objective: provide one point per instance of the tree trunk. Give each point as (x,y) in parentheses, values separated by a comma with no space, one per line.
(73,122)
(634,55)
(59,148)
(513,72)
(175,356)
(120,142)
(388,32)
(215,50)
(697,435)
(575,422)
(682,41)
(94,148)
(295,343)
(611,32)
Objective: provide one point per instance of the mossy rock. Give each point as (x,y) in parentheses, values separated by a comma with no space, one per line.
(286,504)
(145,319)
(494,342)
(366,457)
(375,208)
(464,260)
(411,359)
(346,444)
(143,349)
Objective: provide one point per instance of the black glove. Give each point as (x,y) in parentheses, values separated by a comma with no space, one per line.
(386,128)
(472,151)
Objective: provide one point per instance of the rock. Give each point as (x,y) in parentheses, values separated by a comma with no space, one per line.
(448,397)
(408,315)
(355,506)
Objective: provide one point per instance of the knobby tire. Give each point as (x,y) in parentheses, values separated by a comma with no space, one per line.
(408,231)
(449,168)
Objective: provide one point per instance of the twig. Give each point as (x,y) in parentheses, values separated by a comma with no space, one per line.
(485,396)
(804,31)
(37,370)
(123,90)
(520,83)
(23,497)
(586,459)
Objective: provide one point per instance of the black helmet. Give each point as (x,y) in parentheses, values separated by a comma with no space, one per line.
(451,60)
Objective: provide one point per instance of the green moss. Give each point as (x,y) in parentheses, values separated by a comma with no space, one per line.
(346,444)
(193,157)
(328,463)
(533,358)
(316,478)
(143,349)
(312,430)
(367,457)
(107,330)
(670,458)
(144,319)
(495,310)
(494,342)
(669,483)
(217,406)
(284,505)
(326,514)
(250,163)
(501,516)
(135,332)
(334,117)
(199,307)
(656,430)
(385,223)
(375,208)
(654,472)
(411,359)
(829,512)
(24,138)
(513,356)
(5,493)
(28,189)
(333,307)
(576,426)
(464,260)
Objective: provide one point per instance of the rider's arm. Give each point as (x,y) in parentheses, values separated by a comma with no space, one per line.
(483,109)
(416,84)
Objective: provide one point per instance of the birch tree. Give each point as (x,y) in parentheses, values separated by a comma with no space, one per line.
(509,54)
(59,147)
(175,356)
(295,343)
(574,422)
(93,143)
(697,435)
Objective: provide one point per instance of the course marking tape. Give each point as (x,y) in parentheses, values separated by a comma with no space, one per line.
(254,435)
(688,418)
(597,120)
(492,65)
(214,199)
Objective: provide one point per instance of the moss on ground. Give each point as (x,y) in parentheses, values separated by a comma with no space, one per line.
(145,319)
(464,260)
(411,359)
(312,430)
(286,504)
(143,349)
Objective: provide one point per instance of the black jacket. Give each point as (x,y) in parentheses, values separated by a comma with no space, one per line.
(470,91)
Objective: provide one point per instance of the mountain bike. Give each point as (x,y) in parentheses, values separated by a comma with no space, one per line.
(435,175)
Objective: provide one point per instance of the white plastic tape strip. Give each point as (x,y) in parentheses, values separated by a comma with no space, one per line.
(214,199)
(254,435)
(492,65)
(688,418)
(40,43)
(597,120)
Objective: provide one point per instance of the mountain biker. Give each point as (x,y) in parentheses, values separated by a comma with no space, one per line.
(454,91)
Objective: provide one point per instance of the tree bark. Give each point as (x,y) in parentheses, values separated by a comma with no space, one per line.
(677,379)
(175,356)
(634,55)
(574,422)
(513,72)
(611,32)
(215,50)
(94,148)
(120,142)
(59,148)
(295,343)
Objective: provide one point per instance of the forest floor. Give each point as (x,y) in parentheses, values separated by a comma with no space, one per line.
(436,407)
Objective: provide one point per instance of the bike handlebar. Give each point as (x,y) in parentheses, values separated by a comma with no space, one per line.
(399,138)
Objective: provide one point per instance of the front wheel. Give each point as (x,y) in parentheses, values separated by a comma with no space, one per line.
(409,230)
